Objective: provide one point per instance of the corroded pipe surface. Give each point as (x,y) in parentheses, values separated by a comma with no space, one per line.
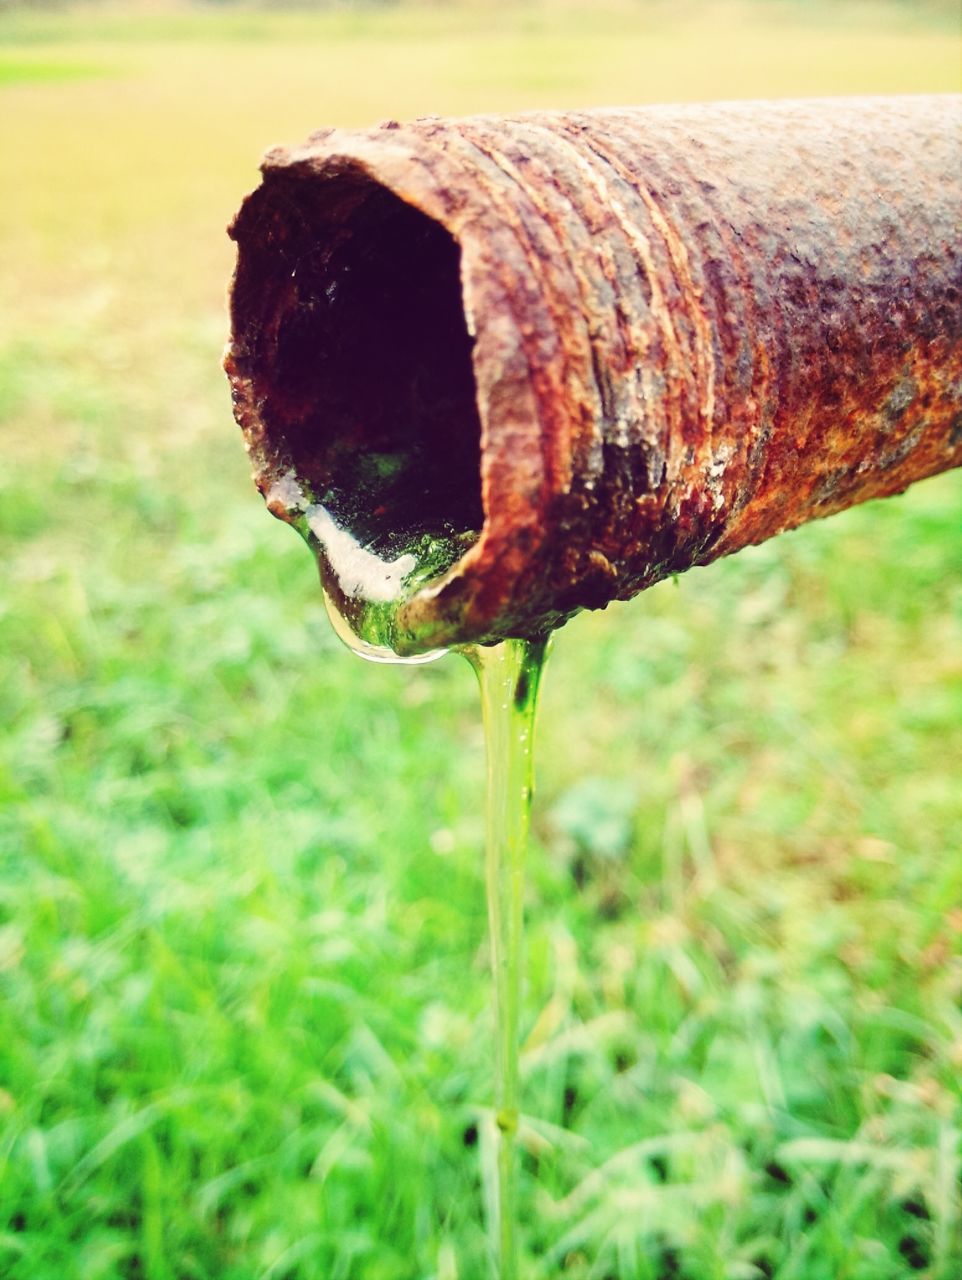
(600,347)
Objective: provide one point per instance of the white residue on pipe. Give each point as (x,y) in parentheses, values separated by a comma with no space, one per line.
(360,573)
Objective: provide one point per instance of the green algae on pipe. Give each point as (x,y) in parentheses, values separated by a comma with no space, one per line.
(542,361)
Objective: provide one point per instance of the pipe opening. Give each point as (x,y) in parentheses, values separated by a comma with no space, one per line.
(363,369)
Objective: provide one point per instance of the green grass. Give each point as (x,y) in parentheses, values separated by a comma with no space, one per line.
(244,1006)
(18,69)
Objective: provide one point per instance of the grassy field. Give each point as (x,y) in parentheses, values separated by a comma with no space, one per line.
(244,1018)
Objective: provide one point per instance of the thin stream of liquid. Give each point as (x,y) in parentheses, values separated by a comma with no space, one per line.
(509,675)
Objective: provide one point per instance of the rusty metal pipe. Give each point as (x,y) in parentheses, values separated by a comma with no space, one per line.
(602,346)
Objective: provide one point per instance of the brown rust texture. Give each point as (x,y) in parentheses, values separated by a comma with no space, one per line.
(694,327)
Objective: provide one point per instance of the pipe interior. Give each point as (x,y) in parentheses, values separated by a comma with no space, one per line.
(369,389)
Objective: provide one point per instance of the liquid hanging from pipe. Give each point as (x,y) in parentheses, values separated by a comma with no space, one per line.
(500,369)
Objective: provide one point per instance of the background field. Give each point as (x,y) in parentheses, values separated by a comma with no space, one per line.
(244,1026)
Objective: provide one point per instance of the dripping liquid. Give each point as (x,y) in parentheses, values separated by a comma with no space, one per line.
(509,675)
(362,591)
